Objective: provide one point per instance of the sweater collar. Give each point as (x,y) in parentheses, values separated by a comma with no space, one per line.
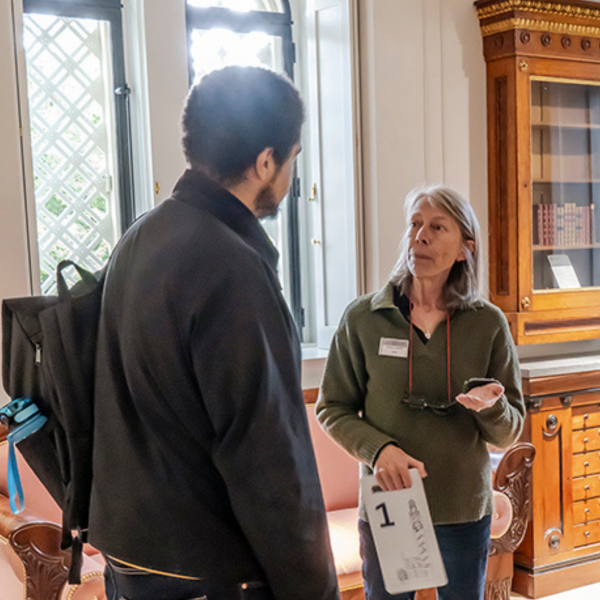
(384,298)
(206,194)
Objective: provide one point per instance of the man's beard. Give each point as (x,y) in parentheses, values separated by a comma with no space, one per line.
(266,203)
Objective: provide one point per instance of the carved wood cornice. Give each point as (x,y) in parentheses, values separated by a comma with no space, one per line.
(537,25)
(561,9)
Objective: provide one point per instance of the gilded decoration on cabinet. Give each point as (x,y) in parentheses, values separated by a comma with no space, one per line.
(566,42)
(563,10)
(525,37)
(534,25)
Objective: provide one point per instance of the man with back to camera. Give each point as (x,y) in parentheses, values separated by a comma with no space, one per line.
(205,483)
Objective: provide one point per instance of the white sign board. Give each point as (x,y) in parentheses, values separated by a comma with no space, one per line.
(404,536)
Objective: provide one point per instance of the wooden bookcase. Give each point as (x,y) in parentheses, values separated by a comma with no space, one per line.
(561,548)
(543,98)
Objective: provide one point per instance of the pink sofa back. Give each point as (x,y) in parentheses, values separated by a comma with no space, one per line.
(338,471)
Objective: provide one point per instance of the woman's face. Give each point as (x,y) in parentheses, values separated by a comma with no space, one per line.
(434,241)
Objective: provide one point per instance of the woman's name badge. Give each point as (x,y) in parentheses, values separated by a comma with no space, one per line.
(393,347)
(404,537)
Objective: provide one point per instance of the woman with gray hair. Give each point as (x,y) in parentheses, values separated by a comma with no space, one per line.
(424,374)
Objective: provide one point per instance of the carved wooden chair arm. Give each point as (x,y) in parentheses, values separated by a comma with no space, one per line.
(37,545)
(513,478)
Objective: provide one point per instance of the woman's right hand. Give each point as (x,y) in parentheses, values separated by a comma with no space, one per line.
(391,469)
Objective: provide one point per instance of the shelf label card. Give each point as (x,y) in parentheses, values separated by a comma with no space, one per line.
(563,271)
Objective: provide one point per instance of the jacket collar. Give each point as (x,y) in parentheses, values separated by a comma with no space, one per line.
(384,298)
(206,194)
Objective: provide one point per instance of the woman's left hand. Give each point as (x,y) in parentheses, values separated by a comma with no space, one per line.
(482,397)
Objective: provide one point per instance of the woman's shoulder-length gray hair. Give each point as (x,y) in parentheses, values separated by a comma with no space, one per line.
(462,286)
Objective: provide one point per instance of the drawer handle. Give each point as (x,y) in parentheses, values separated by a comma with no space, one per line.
(587,510)
(585,416)
(586,464)
(587,488)
(587,533)
(585,440)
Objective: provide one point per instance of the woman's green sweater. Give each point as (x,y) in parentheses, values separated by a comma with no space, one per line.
(360,404)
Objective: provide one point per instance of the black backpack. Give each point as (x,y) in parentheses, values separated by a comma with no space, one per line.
(48,356)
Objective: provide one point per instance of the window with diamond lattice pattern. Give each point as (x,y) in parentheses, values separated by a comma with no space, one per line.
(72,124)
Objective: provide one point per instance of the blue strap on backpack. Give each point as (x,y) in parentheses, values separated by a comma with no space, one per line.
(23,418)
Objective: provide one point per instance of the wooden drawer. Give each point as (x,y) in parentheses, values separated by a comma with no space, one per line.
(586,464)
(586,534)
(586,510)
(586,440)
(585,417)
(586,487)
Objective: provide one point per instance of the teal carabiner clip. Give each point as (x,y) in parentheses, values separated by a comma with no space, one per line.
(23,418)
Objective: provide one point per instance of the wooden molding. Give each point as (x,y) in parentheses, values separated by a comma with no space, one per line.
(537,25)
(487,9)
(545,326)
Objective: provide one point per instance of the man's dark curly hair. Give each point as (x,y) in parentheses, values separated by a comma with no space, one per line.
(233,114)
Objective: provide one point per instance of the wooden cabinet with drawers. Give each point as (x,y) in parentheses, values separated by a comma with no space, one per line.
(561,549)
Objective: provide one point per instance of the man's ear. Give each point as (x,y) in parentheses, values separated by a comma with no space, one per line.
(469,246)
(265,166)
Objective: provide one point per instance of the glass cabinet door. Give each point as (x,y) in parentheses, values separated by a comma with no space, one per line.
(565,164)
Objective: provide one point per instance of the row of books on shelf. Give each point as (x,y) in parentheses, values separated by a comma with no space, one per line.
(564,225)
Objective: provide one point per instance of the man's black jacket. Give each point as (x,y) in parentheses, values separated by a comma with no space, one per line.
(203,464)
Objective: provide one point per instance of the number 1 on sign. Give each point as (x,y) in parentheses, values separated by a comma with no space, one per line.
(386,517)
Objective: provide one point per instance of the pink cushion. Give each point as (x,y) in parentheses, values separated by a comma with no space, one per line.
(338,471)
(502,515)
(92,581)
(343,532)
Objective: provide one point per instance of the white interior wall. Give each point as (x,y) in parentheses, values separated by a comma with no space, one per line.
(424,113)
(14,262)
(14,266)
